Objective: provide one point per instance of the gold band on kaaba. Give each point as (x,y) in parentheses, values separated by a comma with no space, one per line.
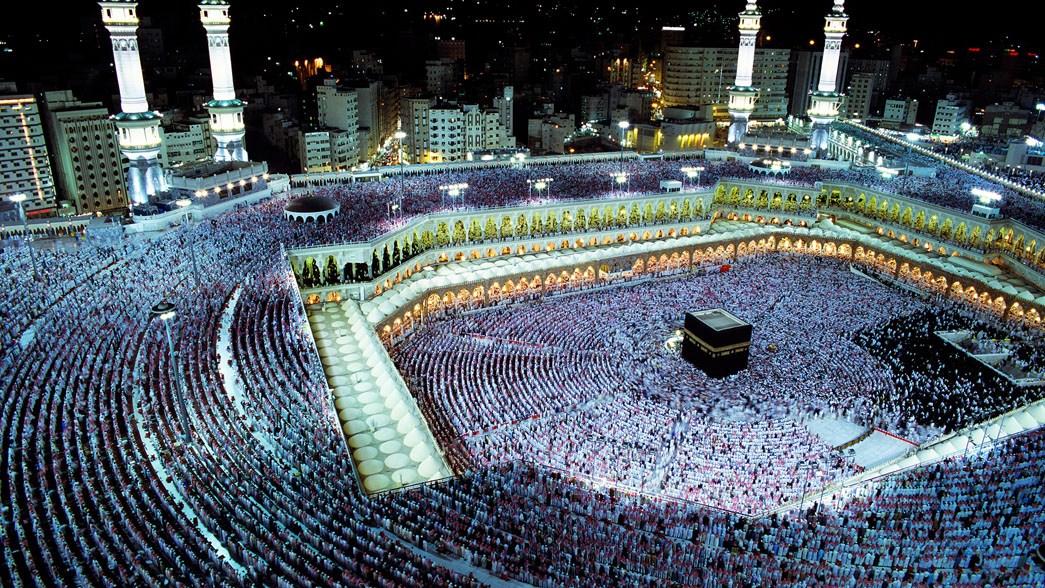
(710,349)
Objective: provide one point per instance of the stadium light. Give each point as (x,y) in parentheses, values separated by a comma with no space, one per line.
(692,172)
(986,197)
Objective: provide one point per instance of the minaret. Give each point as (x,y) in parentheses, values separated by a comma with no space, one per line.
(826,101)
(226,112)
(138,128)
(741,94)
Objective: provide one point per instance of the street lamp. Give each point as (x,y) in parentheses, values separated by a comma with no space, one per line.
(400,135)
(192,240)
(166,311)
(623,129)
(19,199)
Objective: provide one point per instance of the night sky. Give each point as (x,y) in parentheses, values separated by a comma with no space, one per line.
(284,30)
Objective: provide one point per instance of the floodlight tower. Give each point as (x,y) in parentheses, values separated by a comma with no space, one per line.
(826,101)
(138,128)
(226,111)
(741,94)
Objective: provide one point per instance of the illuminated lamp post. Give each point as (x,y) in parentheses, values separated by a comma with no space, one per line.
(19,199)
(400,135)
(166,311)
(623,129)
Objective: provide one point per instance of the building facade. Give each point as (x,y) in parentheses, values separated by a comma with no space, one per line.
(694,76)
(24,164)
(88,167)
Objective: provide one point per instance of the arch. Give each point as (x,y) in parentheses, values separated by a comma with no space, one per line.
(970,295)
(999,305)
(434,303)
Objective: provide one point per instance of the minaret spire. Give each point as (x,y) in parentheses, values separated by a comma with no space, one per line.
(138,127)
(827,99)
(226,111)
(741,94)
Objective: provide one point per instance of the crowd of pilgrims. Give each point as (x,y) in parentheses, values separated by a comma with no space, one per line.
(99,486)
(364,205)
(953,390)
(951,187)
(586,385)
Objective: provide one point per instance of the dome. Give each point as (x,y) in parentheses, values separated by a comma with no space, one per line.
(312,204)
(311,209)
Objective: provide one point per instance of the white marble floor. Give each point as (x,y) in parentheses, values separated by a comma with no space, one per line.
(834,431)
(879,448)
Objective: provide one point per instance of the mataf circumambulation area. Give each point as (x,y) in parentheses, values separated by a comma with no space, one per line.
(449,399)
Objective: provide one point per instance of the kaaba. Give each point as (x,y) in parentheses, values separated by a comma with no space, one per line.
(716,341)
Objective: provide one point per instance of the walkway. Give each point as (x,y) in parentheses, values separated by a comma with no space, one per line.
(456,564)
(168,482)
(230,375)
(879,448)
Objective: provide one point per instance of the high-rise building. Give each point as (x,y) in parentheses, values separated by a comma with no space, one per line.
(414,113)
(337,106)
(505,105)
(805,77)
(446,133)
(138,128)
(88,167)
(858,96)
(1006,120)
(327,150)
(185,141)
(951,113)
(442,76)
(24,165)
(880,71)
(695,76)
(369,95)
(900,112)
